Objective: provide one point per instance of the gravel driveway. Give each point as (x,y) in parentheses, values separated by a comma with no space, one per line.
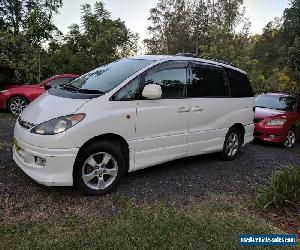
(174,182)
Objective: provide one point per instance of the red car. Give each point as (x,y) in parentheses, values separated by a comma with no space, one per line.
(16,98)
(277,118)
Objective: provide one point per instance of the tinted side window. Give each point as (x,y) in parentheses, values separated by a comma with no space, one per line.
(207,81)
(239,84)
(172,82)
(60,81)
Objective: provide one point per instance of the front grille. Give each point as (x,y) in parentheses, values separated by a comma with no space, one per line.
(25,124)
(257,120)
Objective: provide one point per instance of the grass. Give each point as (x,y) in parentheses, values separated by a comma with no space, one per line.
(283,190)
(213,224)
(6,115)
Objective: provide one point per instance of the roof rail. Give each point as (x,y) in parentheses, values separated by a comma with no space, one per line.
(205,58)
(188,55)
(220,61)
(287,92)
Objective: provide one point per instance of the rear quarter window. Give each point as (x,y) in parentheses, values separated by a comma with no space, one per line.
(239,83)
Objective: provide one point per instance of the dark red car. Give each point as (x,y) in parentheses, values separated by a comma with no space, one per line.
(277,118)
(15,98)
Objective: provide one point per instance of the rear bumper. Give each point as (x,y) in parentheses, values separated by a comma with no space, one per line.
(249,133)
(58,170)
(270,134)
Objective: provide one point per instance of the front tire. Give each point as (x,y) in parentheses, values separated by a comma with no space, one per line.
(99,168)
(17,104)
(290,139)
(232,145)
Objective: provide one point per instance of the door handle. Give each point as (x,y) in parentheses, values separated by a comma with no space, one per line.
(183,110)
(197,109)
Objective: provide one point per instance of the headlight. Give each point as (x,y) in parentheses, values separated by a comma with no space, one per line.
(3,91)
(58,125)
(276,122)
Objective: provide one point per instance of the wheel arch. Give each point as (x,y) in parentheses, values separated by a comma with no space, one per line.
(294,127)
(119,140)
(241,128)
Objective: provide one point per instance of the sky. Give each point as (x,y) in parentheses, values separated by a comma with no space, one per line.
(136,12)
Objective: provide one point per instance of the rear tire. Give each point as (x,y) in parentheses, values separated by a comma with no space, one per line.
(232,145)
(99,168)
(17,104)
(290,139)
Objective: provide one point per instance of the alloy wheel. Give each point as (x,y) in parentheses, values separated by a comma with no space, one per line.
(99,171)
(232,144)
(17,105)
(290,139)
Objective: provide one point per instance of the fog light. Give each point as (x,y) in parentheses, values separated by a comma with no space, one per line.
(273,136)
(40,161)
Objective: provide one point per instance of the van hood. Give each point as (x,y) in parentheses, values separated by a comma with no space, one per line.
(47,107)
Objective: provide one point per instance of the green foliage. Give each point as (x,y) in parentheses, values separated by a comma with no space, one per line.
(33,49)
(25,25)
(187,25)
(98,41)
(16,56)
(17,15)
(208,28)
(214,224)
(283,190)
(291,32)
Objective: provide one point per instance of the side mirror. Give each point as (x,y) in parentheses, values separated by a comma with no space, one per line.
(152,91)
(47,86)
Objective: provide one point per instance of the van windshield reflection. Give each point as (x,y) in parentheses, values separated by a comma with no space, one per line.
(107,77)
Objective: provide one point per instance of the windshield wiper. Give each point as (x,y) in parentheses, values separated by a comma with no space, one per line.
(79,90)
(91,91)
(263,107)
(68,87)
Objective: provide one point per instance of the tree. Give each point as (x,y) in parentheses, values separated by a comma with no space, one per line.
(184,25)
(268,46)
(97,41)
(16,56)
(32,48)
(291,31)
(209,28)
(15,14)
(28,23)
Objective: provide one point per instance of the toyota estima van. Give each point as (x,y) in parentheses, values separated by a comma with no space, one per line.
(132,114)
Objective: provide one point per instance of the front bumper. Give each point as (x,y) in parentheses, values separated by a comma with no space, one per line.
(276,134)
(58,170)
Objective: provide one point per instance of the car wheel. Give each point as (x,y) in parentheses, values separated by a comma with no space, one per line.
(290,139)
(17,104)
(232,144)
(99,168)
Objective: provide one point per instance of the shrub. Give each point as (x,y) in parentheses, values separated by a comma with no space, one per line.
(284,189)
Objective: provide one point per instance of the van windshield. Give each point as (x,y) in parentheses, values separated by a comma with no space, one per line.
(277,102)
(107,77)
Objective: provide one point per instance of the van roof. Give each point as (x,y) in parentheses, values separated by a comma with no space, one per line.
(277,93)
(185,58)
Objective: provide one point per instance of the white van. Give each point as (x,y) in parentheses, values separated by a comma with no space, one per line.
(132,114)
